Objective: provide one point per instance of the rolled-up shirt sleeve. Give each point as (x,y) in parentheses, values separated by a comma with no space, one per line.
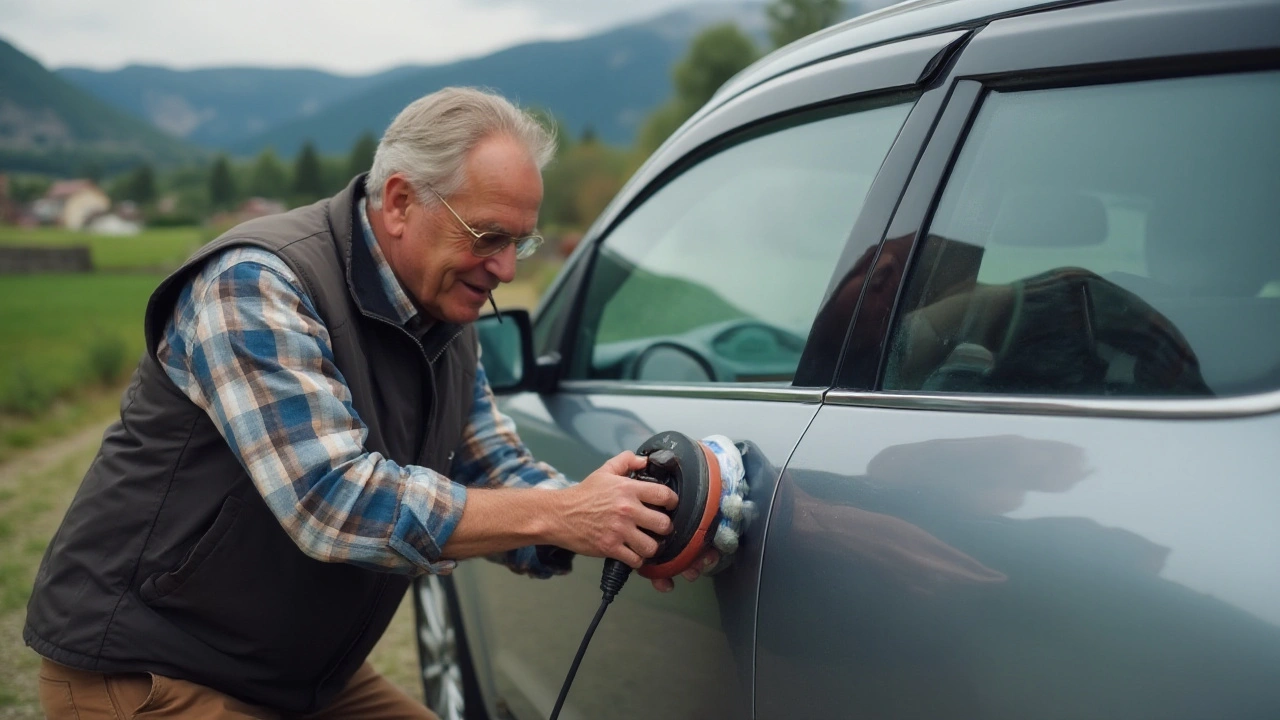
(492,455)
(247,346)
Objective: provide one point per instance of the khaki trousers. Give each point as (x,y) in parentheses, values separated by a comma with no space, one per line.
(67,693)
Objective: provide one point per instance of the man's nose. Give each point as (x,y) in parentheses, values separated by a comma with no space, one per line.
(503,265)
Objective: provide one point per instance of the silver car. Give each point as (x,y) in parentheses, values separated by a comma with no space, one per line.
(990,291)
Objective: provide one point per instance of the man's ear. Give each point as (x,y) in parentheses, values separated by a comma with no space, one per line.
(397,197)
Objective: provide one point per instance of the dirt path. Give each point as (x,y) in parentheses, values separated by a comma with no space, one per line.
(35,489)
(45,457)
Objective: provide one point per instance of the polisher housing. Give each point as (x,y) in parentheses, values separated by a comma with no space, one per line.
(690,469)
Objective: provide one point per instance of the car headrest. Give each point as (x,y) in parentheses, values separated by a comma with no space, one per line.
(1047,218)
(1227,245)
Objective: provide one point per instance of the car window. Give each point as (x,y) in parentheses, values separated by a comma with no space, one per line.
(717,276)
(1113,240)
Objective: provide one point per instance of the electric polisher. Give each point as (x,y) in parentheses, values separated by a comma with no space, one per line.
(709,481)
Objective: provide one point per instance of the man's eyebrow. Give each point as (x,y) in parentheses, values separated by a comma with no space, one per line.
(495,227)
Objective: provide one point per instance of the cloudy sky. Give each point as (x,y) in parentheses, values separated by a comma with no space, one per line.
(338,35)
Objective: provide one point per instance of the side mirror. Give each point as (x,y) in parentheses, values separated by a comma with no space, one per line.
(506,349)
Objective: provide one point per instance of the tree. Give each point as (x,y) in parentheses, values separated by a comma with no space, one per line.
(141,187)
(715,55)
(580,183)
(91,170)
(659,126)
(25,189)
(269,179)
(790,20)
(362,153)
(308,176)
(222,188)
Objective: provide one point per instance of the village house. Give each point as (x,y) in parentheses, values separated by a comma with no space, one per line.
(71,203)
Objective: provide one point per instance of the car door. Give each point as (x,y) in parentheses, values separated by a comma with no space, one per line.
(689,309)
(1046,483)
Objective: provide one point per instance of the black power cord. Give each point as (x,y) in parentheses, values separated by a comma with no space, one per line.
(611,581)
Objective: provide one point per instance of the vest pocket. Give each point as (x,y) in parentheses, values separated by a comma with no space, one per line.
(159,585)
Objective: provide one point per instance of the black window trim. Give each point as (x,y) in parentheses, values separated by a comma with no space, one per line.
(892,70)
(744,134)
(859,379)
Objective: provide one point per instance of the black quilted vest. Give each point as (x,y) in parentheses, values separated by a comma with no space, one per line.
(169,561)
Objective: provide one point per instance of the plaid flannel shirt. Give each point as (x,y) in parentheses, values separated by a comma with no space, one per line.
(247,346)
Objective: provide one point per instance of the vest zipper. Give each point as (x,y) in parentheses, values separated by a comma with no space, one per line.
(431,367)
(431,375)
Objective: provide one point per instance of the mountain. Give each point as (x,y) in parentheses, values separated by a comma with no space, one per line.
(608,82)
(49,125)
(220,107)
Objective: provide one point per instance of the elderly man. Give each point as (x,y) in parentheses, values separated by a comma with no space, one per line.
(309,429)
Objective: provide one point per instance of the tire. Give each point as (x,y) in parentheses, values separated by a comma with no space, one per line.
(444,660)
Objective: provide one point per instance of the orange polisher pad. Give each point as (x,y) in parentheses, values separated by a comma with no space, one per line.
(698,542)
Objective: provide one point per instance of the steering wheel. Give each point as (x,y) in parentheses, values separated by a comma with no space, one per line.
(667,361)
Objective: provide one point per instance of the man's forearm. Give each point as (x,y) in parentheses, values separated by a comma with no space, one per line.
(501,519)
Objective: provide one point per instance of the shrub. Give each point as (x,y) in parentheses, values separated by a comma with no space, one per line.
(106,358)
(25,392)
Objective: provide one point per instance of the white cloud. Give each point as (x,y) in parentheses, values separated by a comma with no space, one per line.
(335,35)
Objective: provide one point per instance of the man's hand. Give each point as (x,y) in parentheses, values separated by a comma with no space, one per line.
(605,514)
(707,561)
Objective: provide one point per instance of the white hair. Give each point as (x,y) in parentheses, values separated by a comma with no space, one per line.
(429,140)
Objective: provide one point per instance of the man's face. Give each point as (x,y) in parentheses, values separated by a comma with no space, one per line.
(430,251)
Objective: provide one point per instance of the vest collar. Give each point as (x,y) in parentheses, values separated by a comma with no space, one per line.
(363,279)
(369,279)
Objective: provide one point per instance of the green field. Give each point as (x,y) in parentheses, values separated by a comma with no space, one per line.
(35,490)
(153,249)
(62,333)
(67,343)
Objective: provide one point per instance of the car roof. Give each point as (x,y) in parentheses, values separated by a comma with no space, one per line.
(911,18)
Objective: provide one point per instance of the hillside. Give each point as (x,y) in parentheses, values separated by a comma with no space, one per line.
(606,81)
(220,107)
(49,125)
(609,82)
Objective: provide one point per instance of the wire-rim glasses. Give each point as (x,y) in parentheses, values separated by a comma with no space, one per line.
(488,244)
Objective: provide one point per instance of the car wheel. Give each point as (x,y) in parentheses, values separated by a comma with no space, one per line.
(448,678)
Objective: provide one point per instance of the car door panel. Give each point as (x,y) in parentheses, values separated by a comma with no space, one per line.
(686,654)
(691,653)
(942,549)
(931,563)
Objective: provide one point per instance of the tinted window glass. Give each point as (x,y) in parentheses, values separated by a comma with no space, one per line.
(718,275)
(1106,240)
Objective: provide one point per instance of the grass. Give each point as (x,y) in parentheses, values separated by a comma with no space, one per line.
(153,249)
(61,418)
(35,489)
(62,333)
(631,312)
(32,502)
(66,343)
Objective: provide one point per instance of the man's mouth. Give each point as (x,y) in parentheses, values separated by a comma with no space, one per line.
(481,290)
